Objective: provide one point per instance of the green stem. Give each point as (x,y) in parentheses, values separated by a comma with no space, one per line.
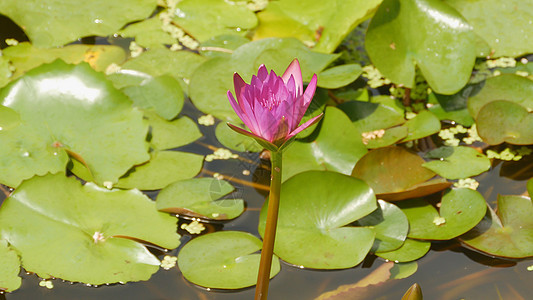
(263,278)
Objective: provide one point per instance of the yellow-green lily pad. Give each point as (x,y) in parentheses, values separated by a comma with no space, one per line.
(9,273)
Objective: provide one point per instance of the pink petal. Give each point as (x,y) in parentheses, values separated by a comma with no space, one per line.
(236,107)
(239,85)
(305,125)
(262,73)
(282,130)
(259,139)
(310,90)
(294,70)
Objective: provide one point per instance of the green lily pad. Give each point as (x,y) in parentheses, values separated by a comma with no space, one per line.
(410,250)
(461,116)
(508,87)
(25,56)
(5,71)
(424,124)
(339,76)
(390,225)
(314,210)
(504,25)
(457,162)
(444,51)
(200,197)
(223,260)
(75,227)
(403,270)
(148,33)
(221,18)
(9,273)
(8,118)
(323,23)
(70,109)
(383,112)
(425,188)
(235,141)
(508,232)
(390,137)
(171,134)
(505,121)
(164,168)
(337,147)
(460,210)
(385,170)
(162,94)
(222,45)
(44,20)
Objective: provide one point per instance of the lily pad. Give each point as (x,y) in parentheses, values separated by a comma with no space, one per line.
(508,87)
(235,141)
(339,76)
(200,197)
(410,250)
(424,124)
(70,109)
(460,210)
(444,51)
(171,134)
(222,45)
(383,112)
(75,227)
(223,260)
(9,273)
(162,94)
(315,210)
(457,162)
(337,147)
(221,18)
(504,25)
(323,23)
(25,56)
(148,33)
(390,137)
(507,232)
(164,168)
(44,20)
(385,170)
(461,116)
(505,121)
(390,225)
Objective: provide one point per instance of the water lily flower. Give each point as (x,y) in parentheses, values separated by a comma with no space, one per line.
(272,106)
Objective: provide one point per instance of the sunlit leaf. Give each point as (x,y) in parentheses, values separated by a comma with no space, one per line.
(223,260)
(200,197)
(9,260)
(508,232)
(424,124)
(70,109)
(148,33)
(222,45)
(164,168)
(390,225)
(444,50)
(457,162)
(312,226)
(171,134)
(459,211)
(75,227)
(410,250)
(505,25)
(339,76)
(44,20)
(337,147)
(383,112)
(403,270)
(221,17)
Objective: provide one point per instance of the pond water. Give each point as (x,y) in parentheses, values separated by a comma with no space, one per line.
(448,271)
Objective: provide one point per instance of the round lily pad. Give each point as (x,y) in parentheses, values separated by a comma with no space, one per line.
(70,109)
(410,250)
(339,76)
(383,112)
(44,20)
(84,233)
(315,209)
(9,273)
(171,134)
(460,210)
(507,232)
(444,51)
(505,121)
(390,225)
(457,162)
(223,260)
(424,124)
(385,171)
(336,148)
(200,197)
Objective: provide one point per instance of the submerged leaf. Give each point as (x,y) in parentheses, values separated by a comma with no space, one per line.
(75,227)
